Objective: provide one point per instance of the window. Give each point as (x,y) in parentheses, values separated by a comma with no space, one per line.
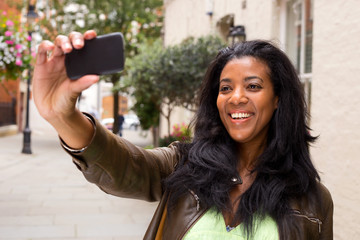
(297,22)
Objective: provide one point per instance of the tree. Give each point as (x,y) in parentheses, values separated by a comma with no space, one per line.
(142,85)
(163,78)
(140,21)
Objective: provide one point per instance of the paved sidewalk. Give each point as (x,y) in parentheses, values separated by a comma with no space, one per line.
(44,196)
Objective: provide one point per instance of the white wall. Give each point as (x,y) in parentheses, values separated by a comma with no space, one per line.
(185,18)
(335,95)
(188,18)
(181,22)
(336,108)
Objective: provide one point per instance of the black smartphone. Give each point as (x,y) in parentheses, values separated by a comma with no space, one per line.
(101,55)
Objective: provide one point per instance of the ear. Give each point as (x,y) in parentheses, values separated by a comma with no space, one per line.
(276,102)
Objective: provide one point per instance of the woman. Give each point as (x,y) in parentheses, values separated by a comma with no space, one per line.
(246,175)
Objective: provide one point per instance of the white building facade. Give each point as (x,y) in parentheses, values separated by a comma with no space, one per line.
(321,37)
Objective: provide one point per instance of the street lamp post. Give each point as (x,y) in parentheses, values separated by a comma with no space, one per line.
(237,34)
(31,17)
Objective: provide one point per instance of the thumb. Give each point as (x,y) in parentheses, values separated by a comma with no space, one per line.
(84,83)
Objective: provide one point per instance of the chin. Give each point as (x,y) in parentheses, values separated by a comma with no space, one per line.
(239,138)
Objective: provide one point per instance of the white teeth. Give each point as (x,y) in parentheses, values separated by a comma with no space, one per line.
(240,115)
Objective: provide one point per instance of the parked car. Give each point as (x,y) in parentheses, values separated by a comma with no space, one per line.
(108,123)
(131,121)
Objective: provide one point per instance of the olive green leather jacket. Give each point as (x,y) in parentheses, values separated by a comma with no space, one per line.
(119,168)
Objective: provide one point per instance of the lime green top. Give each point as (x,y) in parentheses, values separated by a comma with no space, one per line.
(211,226)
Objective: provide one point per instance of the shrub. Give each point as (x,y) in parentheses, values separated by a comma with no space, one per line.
(181,132)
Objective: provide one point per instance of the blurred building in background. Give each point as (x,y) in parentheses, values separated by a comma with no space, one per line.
(321,38)
(10,108)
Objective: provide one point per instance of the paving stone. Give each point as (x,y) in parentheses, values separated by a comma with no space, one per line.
(63,209)
(110,230)
(78,238)
(91,219)
(49,196)
(43,196)
(37,231)
(27,220)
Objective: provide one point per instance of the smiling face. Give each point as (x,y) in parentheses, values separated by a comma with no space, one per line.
(246,100)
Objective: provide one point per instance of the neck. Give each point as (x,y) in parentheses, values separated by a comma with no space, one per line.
(248,155)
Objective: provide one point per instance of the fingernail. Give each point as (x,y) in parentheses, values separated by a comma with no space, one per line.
(77,42)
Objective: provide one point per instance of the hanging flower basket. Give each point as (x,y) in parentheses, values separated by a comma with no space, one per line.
(15,55)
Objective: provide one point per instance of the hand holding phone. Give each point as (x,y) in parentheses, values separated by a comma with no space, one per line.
(99,56)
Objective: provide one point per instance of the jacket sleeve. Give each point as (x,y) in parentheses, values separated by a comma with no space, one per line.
(328,210)
(122,169)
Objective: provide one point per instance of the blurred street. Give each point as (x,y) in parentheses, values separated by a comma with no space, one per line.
(44,196)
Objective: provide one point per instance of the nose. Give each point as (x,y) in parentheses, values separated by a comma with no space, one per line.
(238,97)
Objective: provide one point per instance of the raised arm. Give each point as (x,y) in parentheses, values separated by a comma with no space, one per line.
(55,94)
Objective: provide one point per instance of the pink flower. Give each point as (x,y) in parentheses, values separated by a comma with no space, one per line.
(18,46)
(4,13)
(8,33)
(9,23)
(18,55)
(9,42)
(18,62)
(33,54)
(28,38)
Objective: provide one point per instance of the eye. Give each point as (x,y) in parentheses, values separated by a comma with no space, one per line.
(254,87)
(224,89)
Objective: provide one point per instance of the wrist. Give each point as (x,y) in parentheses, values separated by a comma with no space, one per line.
(68,120)
(78,151)
(75,129)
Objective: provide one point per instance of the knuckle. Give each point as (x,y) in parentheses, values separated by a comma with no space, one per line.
(44,45)
(75,34)
(61,38)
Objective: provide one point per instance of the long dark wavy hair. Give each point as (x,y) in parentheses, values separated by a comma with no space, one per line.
(284,170)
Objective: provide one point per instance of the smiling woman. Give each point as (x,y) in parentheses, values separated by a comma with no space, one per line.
(247,173)
(246,100)
(250,156)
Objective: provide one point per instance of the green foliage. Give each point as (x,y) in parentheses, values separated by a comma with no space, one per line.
(149,146)
(185,66)
(15,56)
(165,141)
(139,20)
(180,133)
(162,78)
(141,83)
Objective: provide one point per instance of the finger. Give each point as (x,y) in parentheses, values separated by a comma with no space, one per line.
(77,39)
(42,52)
(90,34)
(62,45)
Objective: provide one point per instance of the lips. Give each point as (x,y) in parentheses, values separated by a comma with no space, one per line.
(240,115)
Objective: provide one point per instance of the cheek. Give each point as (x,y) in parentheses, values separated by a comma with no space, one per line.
(268,111)
(221,110)
(220,106)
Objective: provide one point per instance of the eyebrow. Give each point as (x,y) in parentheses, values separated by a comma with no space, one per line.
(246,79)
(253,77)
(225,80)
